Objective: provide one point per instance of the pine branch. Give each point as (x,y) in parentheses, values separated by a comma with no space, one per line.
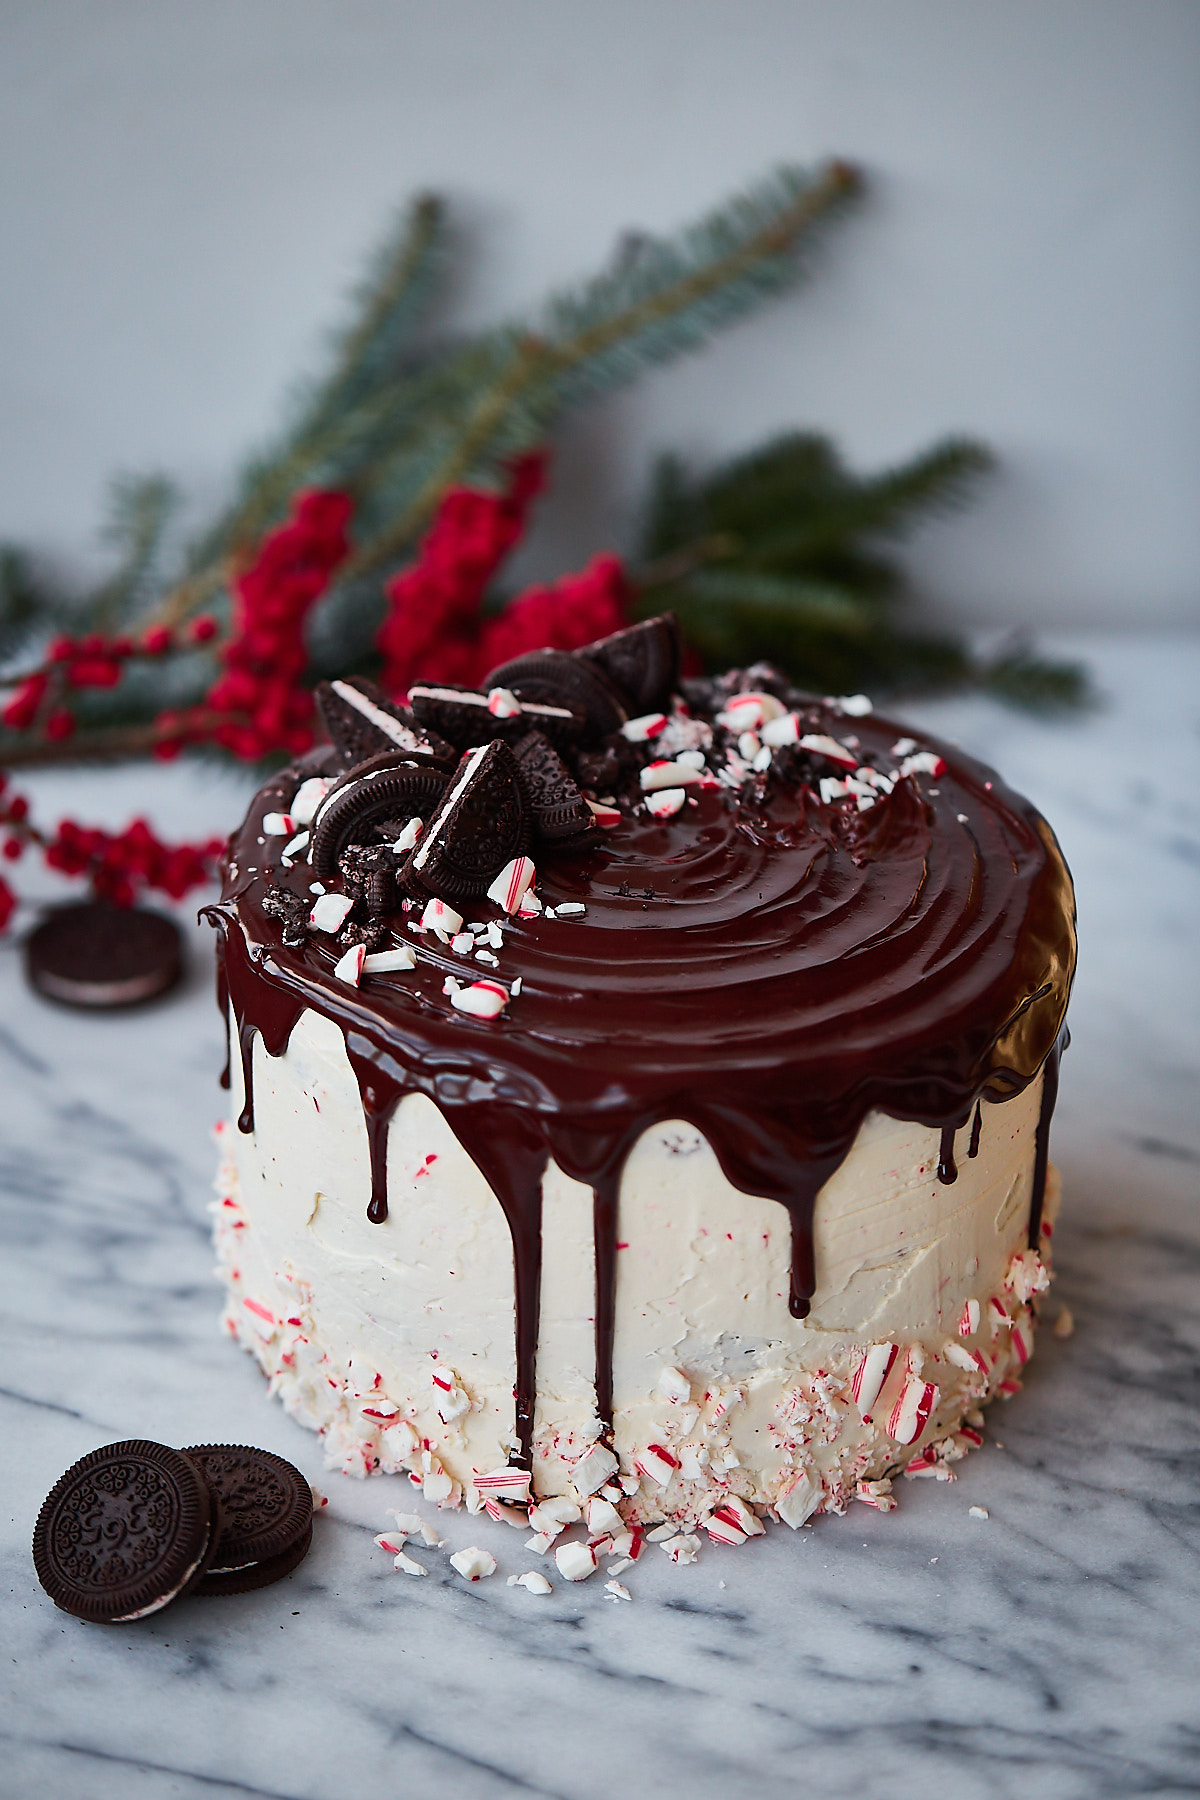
(671,297)
(141,510)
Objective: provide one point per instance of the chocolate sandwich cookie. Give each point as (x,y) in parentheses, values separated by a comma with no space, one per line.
(127,1530)
(554,678)
(386,789)
(100,956)
(482,824)
(560,813)
(362,722)
(266,1516)
(642,662)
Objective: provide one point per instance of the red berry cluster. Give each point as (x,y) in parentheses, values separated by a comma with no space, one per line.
(94,661)
(121,864)
(432,625)
(260,699)
(434,628)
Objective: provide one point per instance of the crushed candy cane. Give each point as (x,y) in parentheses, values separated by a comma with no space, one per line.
(386,962)
(502,703)
(575,1561)
(439,916)
(408,837)
(482,999)
(349,968)
(278,824)
(473,1564)
(513,883)
(641,729)
(673,774)
(666,802)
(330,912)
(533,1581)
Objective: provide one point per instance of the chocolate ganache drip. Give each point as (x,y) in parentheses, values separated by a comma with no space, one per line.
(785,915)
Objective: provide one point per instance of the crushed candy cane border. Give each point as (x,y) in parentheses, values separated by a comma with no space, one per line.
(685,1481)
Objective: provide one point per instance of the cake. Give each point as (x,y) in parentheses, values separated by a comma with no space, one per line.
(641,1090)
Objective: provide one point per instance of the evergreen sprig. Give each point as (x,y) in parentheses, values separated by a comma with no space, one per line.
(781,555)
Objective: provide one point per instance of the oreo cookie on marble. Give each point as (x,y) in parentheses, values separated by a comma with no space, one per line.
(266,1517)
(642,662)
(125,1531)
(482,824)
(555,679)
(99,956)
(362,722)
(559,811)
(369,802)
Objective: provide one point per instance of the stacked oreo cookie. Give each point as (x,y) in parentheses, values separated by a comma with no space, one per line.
(136,1525)
(437,796)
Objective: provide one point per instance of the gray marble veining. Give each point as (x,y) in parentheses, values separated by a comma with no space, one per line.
(1050,1650)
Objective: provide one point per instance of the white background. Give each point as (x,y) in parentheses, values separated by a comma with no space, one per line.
(189,187)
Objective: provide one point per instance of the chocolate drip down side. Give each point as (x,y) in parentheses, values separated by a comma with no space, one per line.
(769,973)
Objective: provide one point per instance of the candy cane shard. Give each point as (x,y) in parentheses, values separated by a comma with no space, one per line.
(968,1323)
(278,824)
(349,968)
(910,1413)
(513,883)
(308,797)
(473,1564)
(593,1469)
(483,999)
(656,1464)
(784,730)
(607,817)
(876,1494)
(829,748)
(640,730)
(502,703)
(330,911)
(575,1561)
(505,1484)
(664,803)
(745,712)
(440,917)
(667,774)
(386,962)
(924,762)
(870,1373)
(532,1581)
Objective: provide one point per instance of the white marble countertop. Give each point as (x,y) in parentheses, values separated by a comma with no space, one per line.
(1051,1650)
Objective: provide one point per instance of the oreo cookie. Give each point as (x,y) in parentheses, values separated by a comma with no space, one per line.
(553,678)
(642,662)
(362,722)
(127,1530)
(292,910)
(482,824)
(99,956)
(266,1516)
(559,811)
(383,793)
(369,874)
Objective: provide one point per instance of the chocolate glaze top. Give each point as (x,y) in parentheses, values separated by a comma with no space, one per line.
(769,967)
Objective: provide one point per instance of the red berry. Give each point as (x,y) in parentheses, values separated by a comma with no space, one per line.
(60,724)
(157,641)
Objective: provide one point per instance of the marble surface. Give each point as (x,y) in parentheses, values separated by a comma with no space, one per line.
(1050,1650)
